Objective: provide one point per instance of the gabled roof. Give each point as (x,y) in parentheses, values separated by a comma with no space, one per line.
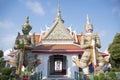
(57,32)
(76,38)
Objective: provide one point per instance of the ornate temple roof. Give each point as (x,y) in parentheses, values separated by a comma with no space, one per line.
(58,31)
(58,48)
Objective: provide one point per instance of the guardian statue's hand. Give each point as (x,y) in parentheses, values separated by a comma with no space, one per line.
(93,42)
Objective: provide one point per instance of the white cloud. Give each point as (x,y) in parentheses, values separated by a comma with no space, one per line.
(7,34)
(6,24)
(7,41)
(36,7)
(116,10)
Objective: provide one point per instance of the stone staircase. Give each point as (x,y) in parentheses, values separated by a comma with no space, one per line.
(58,77)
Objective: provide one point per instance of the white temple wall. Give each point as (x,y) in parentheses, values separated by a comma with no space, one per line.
(44,64)
(71,67)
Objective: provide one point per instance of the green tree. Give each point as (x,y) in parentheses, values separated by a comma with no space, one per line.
(1,53)
(114,50)
(1,60)
(4,71)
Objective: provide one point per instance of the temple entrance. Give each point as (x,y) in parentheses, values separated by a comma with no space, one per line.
(57,65)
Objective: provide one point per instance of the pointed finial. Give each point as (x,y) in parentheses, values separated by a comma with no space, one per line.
(27,19)
(58,8)
(58,3)
(58,17)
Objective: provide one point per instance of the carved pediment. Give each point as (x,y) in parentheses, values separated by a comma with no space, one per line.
(58,32)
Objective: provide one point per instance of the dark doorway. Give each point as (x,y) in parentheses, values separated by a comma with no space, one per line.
(57,65)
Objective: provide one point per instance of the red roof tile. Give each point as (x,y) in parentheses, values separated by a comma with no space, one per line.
(37,38)
(79,38)
(57,48)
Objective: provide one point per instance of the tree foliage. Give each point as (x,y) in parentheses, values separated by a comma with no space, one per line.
(1,60)
(114,50)
(1,53)
(4,71)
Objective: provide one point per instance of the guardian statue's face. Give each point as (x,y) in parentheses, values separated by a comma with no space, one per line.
(89,29)
(25,30)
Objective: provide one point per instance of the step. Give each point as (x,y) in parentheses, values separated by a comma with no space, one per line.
(58,77)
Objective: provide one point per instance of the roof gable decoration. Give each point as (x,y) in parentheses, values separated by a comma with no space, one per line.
(58,32)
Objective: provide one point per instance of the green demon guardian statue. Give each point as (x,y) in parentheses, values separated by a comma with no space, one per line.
(24,44)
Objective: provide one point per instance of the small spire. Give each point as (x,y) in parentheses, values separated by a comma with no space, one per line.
(59,12)
(58,17)
(27,19)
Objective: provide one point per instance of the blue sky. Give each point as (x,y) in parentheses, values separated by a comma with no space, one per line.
(104,15)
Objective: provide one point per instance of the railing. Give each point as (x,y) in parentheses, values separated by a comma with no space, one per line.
(117,75)
(81,76)
(38,76)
